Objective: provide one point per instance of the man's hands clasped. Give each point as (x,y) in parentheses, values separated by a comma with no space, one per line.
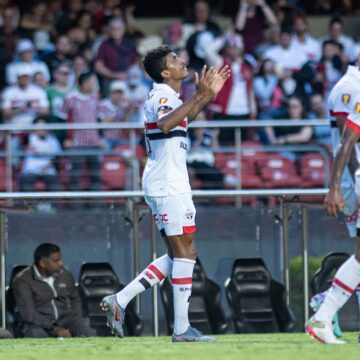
(211,80)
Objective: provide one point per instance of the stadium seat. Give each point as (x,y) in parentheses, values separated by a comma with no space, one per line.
(97,280)
(113,173)
(322,280)
(312,170)
(205,312)
(278,171)
(257,302)
(12,318)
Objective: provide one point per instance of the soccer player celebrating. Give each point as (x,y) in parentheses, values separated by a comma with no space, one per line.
(347,277)
(166,186)
(341,103)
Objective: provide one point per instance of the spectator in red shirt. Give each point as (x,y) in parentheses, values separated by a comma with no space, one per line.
(115,55)
(81,106)
(251,20)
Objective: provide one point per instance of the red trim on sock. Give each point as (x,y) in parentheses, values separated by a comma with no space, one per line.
(156,271)
(343,286)
(189,229)
(182,281)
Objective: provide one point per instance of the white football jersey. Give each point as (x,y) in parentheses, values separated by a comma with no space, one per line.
(165,171)
(341,100)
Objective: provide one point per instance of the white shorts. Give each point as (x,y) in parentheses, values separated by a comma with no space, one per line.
(173,214)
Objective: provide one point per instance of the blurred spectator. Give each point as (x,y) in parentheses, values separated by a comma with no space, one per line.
(67,19)
(193,32)
(38,164)
(84,21)
(236,101)
(285,56)
(36,19)
(292,135)
(201,157)
(56,93)
(115,109)
(115,55)
(336,27)
(25,51)
(137,94)
(318,112)
(81,106)
(329,7)
(271,38)
(24,101)
(8,38)
(268,92)
(172,35)
(252,18)
(59,55)
(303,42)
(47,298)
(332,64)
(39,80)
(79,66)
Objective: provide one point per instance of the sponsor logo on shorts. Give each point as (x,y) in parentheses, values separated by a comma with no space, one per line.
(163,101)
(161,217)
(189,214)
(346,98)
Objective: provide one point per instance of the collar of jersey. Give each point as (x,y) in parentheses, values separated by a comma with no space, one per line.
(166,88)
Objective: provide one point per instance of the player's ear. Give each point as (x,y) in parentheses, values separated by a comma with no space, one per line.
(165,74)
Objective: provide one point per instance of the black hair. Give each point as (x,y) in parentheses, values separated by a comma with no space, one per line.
(44,251)
(154,62)
(332,42)
(335,20)
(84,77)
(39,118)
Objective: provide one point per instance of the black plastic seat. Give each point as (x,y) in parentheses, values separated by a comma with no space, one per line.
(205,312)
(97,280)
(258,302)
(322,280)
(12,317)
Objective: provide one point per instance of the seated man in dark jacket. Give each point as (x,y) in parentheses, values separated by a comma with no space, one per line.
(46,298)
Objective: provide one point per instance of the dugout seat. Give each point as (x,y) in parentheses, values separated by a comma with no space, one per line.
(257,302)
(322,280)
(97,280)
(12,317)
(205,312)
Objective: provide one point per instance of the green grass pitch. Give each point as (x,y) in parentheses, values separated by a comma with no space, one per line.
(228,347)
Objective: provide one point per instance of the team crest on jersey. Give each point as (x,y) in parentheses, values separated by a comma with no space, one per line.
(357,107)
(163,101)
(345,98)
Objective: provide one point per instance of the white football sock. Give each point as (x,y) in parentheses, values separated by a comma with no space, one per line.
(345,281)
(155,272)
(182,284)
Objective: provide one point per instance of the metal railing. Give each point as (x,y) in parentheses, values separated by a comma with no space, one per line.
(9,130)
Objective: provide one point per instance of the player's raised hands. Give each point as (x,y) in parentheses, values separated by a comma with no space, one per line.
(334,202)
(212,80)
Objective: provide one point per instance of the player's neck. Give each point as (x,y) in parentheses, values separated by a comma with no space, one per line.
(174,84)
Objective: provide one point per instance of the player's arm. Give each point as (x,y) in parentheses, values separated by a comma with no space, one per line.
(334,201)
(210,83)
(353,163)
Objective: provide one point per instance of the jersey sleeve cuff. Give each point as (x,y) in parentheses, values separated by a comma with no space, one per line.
(352,126)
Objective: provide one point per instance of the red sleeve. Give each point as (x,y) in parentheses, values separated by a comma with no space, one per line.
(352,126)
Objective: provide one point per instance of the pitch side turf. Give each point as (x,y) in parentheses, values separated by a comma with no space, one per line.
(246,347)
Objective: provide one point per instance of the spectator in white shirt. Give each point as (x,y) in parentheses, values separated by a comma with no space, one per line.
(285,56)
(303,42)
(336,34)
(21,103)
(25,51)
(39,161)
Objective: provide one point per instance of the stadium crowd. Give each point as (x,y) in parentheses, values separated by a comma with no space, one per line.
(80,61)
